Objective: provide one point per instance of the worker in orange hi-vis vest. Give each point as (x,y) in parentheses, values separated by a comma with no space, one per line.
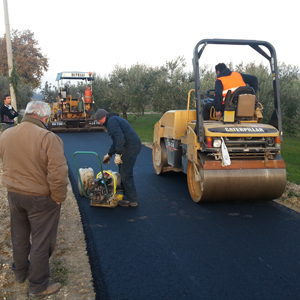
(229,80)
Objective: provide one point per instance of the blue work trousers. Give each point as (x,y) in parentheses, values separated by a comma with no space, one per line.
(126,171)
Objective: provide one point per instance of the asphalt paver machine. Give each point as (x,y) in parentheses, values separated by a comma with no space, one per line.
(70,114)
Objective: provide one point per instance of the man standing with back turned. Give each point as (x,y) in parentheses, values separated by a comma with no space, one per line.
(36,176)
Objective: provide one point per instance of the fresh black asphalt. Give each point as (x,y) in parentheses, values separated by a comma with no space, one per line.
(170,248)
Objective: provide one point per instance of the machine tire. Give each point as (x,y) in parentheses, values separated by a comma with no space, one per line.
(159,157)
(193,185)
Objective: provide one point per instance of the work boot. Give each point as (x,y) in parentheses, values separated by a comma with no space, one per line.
(51,289)
(123,203)
(126,203)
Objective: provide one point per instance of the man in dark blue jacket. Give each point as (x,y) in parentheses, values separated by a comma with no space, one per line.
(126,147)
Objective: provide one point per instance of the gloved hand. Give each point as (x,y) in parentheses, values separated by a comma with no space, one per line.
(118,159)
(106,159)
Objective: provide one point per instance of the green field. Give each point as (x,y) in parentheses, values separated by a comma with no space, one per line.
(144,126)
(290,151)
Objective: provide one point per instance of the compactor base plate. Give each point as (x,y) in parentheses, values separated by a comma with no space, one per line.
(110,203)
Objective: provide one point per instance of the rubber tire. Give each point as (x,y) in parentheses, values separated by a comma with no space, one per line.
(193,185)
(160,157)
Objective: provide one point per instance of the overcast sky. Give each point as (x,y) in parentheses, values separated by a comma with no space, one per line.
(96,35)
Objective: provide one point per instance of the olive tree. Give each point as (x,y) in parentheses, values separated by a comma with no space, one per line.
(29,61)
(171,86)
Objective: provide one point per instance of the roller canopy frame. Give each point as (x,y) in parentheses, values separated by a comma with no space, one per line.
(256,45)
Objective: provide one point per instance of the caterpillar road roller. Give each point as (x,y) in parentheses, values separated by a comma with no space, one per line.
(235,158)
(73,114)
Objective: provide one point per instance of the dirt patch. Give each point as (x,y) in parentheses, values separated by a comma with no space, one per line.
(291,197)
(69,263)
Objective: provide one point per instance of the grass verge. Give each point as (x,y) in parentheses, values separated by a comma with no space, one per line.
(144,125)
(290,154)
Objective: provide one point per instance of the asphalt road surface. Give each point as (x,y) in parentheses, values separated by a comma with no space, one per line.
(170,248)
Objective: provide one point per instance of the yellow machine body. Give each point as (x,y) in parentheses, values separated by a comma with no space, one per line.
(256,171)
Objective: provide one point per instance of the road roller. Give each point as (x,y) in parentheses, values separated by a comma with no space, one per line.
(234,158)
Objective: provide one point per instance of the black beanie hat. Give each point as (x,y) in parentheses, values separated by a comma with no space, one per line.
(220,67)
(100,114)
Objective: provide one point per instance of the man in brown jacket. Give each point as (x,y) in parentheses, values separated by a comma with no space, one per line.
(35,174)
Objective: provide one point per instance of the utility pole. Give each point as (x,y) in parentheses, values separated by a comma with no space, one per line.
(9,54)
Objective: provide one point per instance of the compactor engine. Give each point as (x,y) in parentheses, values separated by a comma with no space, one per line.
(103,189)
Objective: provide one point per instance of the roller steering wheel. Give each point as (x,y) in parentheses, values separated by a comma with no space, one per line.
(210,93)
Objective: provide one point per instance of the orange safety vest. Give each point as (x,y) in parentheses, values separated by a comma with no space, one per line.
(231,82)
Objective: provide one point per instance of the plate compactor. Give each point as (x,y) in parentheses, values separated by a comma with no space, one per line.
(104,190)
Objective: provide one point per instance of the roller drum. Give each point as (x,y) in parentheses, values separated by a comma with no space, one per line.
(236,183)
(243,185)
